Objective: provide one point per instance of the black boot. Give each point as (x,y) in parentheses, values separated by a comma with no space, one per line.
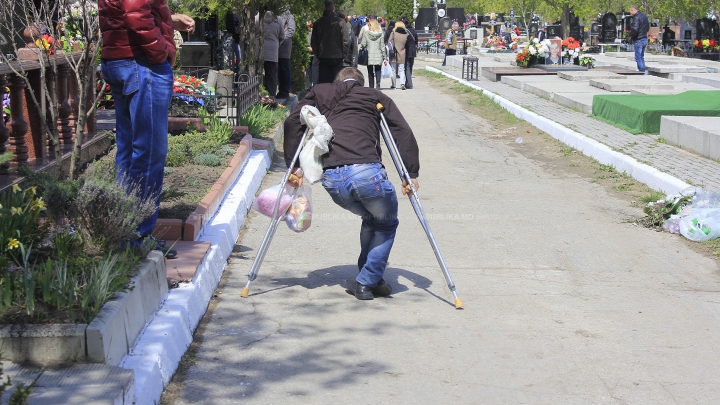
(361,292)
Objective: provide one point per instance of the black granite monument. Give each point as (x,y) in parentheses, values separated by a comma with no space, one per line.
(609,28)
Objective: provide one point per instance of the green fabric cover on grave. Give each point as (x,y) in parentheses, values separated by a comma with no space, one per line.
(640,113)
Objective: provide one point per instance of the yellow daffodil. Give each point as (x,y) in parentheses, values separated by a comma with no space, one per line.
(13,244)
(15,210)
(31,190)
(16,188)
(40,204)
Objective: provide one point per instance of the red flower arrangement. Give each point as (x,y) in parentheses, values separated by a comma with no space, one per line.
(571,43)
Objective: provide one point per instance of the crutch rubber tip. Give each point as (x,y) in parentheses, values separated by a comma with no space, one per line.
(458,303)
(246,291)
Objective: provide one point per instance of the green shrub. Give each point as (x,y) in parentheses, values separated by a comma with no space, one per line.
(109,212)
(225,150)
(221,131)
(193,143)
(208,159)
(177,155)
(59,195)
(259,118)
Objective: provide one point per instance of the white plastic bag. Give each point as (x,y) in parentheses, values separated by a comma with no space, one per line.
(265,203)
(299,215)
(701,225)
(386,71)
(320,134)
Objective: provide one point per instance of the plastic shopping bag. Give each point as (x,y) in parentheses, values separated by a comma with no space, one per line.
(265,203)
(386,71)
(317,145)
(701,225)
(300,214)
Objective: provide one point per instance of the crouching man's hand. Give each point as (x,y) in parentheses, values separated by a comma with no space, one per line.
(406,190)
(296,177)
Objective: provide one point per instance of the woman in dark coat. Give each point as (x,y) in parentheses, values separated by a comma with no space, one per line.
(410,52)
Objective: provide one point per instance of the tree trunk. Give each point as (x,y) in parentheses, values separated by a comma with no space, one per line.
(566,20)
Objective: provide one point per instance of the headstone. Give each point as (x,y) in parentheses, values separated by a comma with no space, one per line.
(716,30)
(554,31)
(595,29)
(703,28)
(686,30)
(443,25)
(533,29)
(609,30)
(668,36)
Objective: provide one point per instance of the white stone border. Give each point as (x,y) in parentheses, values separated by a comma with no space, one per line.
(654,178)
(167,336)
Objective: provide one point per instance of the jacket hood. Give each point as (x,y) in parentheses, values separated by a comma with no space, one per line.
(269,17)
(400,30)
(374,35)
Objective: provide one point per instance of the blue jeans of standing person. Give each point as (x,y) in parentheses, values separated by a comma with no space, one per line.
(284,78)
(640,46)
(365,190)
(142,92)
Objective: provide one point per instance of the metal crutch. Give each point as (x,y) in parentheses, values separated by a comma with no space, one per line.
(274,222)
(415,201)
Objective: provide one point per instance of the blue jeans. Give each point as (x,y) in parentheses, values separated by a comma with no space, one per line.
(142,94)
(640,46)
(365,190)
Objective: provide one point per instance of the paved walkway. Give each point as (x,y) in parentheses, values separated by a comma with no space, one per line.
(564,302)
(684,165)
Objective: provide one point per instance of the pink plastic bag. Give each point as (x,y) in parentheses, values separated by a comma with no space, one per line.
(265,203)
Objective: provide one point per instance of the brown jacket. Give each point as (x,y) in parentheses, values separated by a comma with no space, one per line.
(400,37)
(133,28)
(351,112)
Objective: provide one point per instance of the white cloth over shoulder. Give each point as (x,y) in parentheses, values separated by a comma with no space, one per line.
(320,134)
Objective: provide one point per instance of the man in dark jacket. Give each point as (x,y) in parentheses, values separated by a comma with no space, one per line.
(353,172)
(137,57)
(356,25)
(640,27)
(410,52)
(330,42)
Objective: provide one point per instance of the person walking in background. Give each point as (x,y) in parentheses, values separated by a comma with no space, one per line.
(451,41)
(640,27)
(330,43)
(356,25)
(388,30)
(351,57)
(315,64)
(284,72)
(372,40)
(410,52)
(397,60)
(137,58)
(273,35)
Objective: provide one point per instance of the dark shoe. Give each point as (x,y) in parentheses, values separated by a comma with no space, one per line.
(282,96)
(382,289)
(361,292)
(392,87)
(402,87)
(377,86)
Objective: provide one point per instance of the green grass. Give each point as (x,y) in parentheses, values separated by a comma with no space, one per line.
(652,197)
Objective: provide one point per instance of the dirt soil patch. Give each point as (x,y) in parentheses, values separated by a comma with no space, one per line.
(556,157)
(194,181)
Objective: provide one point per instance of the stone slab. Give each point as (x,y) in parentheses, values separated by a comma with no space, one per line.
(43,343)
(707,79)
(589,74)
(619,70)
(562,68)
(497,73)
(666,70)
(577,101)
(520,81)
(192,254)
(116,328)
(613,85)
(699,135)
(548,89)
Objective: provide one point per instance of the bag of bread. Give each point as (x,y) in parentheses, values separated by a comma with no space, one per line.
(299,215)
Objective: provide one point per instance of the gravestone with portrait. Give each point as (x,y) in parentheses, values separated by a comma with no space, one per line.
(533,29)
(703,28)
(555,31)
(609,28)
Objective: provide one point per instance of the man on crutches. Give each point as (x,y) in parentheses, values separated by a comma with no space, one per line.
(353,173)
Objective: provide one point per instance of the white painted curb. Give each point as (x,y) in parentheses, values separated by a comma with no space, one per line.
(654,178)
(167,336)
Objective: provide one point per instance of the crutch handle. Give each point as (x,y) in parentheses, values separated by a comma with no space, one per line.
(380,107)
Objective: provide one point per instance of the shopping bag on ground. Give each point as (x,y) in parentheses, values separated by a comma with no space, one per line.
(320,134)
(386,71)
(265,203)
(701,225)
(299,215)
